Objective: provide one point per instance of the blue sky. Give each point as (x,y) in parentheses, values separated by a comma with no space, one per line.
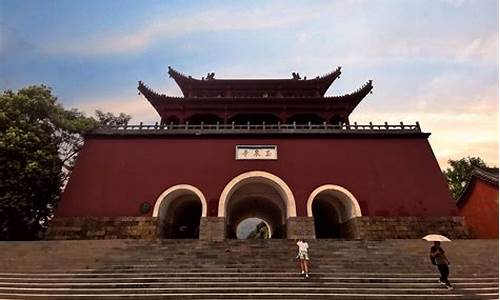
(433,61)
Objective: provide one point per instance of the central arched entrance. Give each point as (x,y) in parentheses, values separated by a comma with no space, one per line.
(179,210)
(333,207)
(257,194)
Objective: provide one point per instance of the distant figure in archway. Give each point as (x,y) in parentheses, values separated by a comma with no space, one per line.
(303,256)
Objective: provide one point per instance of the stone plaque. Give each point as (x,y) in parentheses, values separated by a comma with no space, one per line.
(256,152)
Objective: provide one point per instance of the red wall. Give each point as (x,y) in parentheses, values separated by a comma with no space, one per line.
(388,176)
(480,209)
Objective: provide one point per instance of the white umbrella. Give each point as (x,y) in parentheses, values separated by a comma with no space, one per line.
(436,238)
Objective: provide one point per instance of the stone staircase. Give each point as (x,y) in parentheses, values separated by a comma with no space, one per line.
(232,269)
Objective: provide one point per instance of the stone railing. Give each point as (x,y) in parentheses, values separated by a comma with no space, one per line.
(199,129)
(264,126)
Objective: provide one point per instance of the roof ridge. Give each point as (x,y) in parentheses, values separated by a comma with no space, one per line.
(487,174)
(174,73)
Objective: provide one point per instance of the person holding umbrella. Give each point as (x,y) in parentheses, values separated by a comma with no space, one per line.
(439,258)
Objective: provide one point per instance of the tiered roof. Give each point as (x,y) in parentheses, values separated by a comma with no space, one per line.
(229,97)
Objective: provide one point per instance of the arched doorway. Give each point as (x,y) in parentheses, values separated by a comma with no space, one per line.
(332,208)
(257,194)
(179,210)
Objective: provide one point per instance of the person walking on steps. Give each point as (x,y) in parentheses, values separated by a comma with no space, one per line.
(303,256)
(439,258)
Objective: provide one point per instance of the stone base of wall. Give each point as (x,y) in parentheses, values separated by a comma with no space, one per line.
(90,228)
(300,227)
(212,228)
(349,229)
(406,227)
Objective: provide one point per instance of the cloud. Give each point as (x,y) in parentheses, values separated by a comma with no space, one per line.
(454,2)
(457,92)
(214,20)
(394,48)
(325,33)
(479,49)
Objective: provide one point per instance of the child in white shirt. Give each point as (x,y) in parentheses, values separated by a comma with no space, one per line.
(303,256)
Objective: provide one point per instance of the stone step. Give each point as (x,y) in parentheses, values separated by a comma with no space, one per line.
(233,275)
(248,289)
(245,280)
(289,268)
(263,296)
(214,273)
(242,270)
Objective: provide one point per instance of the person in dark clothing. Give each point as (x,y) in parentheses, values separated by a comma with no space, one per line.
(439,258)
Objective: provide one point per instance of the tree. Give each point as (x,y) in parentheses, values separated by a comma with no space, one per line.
(73,141)
(260,232)
(39,141)
(459,173)
(108,119)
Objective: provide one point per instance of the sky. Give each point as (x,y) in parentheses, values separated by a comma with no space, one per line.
(431,61)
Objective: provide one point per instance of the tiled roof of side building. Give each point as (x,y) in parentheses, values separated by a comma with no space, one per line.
(489,175)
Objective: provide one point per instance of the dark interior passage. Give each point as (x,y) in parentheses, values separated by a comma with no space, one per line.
(180,219)
(326,220)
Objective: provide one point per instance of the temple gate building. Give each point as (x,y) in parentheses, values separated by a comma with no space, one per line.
(274,149)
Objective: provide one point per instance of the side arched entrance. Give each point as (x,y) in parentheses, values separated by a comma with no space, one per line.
(333,208)
(179,210)
(257,194)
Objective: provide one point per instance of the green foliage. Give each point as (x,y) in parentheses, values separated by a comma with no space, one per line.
(459,173)
(39,140)
(108,119)
(260,232)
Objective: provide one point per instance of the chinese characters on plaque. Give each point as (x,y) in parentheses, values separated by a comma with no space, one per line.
(254,152)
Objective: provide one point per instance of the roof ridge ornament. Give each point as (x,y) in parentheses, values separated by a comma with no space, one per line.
(148,92)
(210,76)
(176,74)
(335,73)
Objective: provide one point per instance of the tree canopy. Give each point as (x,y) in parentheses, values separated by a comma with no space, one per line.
(39,141)
(108,119)
(459,173)
(260,232)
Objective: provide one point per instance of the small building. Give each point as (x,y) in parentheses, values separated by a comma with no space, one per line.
(478,204)
(274,149)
